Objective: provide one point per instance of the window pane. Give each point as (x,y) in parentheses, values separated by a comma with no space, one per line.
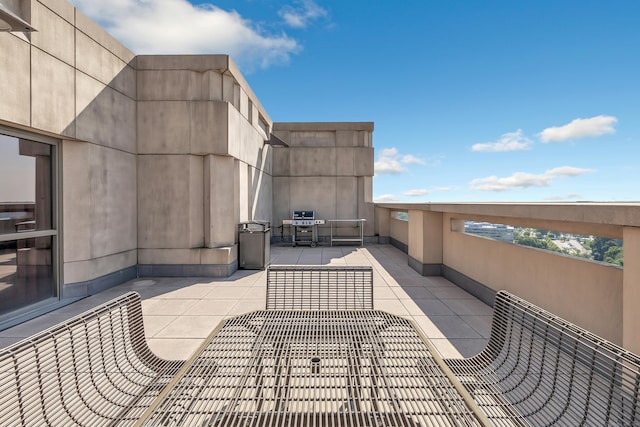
(25,185)
(26,273)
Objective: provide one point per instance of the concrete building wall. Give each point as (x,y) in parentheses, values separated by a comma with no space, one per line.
(327,168)
(73,81)
(203,164)
(160,156)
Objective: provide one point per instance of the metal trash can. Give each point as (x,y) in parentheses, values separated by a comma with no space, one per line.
(254,238)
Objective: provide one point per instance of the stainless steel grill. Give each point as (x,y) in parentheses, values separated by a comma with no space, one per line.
(306,368)
(304,227)
(319,287)
(303,218)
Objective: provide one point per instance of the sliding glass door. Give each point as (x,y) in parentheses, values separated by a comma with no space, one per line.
(28,232)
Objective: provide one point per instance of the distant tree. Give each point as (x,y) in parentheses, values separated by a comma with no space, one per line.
(527,241)
(545,243)
(614,255)
(600,246)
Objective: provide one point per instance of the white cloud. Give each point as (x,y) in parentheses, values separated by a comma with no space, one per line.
(388,165)
(302,14)
(525,180)
(178,27)
(391,162)
(410,159)
(567,171)
(385,198)
(416,193)
(579,128)
(512,141)
(389,152)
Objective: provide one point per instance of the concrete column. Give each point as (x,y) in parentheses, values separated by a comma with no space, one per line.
(425,242)
(631,290)
(382,225)
(219,204)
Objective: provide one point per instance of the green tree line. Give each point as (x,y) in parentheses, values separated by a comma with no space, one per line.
(607,250)
(602,249)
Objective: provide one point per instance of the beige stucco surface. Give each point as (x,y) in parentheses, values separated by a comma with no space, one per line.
(631,294)
(425,236)
(597,296)
(399,230)
(572,288)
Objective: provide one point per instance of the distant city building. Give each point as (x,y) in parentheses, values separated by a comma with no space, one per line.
(500,232)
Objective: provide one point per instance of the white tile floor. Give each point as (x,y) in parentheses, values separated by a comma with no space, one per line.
(180,312)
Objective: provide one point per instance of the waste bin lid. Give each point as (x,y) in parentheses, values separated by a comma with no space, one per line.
(255,225)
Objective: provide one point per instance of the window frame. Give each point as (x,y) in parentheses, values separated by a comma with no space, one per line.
(22,314)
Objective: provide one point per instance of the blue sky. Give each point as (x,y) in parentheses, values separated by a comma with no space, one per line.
(474,100)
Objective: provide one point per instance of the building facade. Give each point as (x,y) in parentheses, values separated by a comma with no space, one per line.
(117,166)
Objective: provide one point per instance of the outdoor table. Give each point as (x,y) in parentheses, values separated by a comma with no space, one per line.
(315,368)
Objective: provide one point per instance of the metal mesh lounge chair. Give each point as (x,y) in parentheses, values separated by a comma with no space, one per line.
(540,370)
(94,369)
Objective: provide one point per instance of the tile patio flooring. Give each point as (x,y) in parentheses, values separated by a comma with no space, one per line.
(180,312)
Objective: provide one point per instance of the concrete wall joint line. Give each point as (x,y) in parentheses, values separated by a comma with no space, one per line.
(58,15)
(95,258)
(108,84)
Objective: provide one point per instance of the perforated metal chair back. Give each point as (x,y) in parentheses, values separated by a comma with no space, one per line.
(319,287)
(94,369)
(541,370)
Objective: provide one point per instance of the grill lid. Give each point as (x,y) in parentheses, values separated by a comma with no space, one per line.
(303,215)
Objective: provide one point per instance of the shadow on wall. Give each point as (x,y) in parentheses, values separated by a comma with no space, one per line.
(261,197)
(100,174)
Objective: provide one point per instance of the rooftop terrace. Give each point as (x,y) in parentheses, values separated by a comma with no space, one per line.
(179,313)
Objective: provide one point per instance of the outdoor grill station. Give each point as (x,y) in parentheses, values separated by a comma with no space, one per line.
(304,227)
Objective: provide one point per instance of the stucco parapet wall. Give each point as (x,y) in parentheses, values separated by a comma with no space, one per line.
(200,63)
(322,126)
(612,214)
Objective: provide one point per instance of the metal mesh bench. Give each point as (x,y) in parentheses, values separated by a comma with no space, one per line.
(94,369)
(540,370)
(319,287)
